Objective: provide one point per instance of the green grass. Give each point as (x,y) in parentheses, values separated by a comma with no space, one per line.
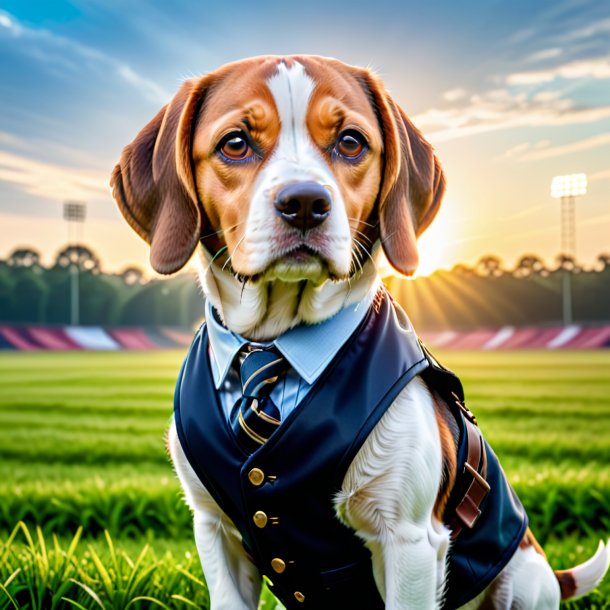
(81,446)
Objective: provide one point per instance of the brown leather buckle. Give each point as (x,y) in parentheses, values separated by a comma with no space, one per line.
(475,475)
(465,410)
(468,510)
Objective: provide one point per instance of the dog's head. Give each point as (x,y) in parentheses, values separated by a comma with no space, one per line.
(292,167)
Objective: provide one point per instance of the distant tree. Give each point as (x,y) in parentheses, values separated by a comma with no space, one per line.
(7,296)
(463,270)
(132,276)
(58,303)
(145,307)
(23,257)
(566,262)
(78,255)
(603,261)
(173,302)
(489,265)
(99,299)
(30,293)
(529,264)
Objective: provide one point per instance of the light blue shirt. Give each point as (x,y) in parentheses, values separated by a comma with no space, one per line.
(309,349)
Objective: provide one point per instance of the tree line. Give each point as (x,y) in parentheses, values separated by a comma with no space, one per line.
(486,294)
(490,295)
(34,294)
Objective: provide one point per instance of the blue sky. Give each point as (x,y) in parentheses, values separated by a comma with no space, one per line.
(510,94)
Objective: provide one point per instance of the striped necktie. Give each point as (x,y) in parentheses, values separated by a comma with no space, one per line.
(255,417)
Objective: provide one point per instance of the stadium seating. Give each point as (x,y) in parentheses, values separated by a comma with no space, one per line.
(60,338)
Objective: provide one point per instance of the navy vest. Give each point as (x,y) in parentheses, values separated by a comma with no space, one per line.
(280,498)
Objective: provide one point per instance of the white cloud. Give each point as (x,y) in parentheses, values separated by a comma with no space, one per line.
(7,22)
(151,89)
(547,96)
(48,47)
(597,68)
(566,149)
(453,95)
(543,55)
(52,181)
(517,150)
(599,176)
(10,140)
(589,31)
(502,109)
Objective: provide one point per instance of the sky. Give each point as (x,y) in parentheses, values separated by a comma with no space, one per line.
(510,93)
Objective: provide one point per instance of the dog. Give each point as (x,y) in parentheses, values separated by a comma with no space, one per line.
(288,174)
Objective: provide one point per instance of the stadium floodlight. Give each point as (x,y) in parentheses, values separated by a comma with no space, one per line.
(571,185)
(74,213)
(566,189)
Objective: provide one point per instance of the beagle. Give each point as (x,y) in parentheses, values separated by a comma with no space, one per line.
(287,174)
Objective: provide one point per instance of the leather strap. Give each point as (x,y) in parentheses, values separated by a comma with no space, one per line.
(467,511)
(472,478)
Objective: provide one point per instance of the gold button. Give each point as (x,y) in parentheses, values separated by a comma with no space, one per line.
(278,565)
(260,519)
(299,596)
(256,476)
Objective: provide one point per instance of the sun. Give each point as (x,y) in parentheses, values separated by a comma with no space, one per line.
(432,248)
(435,246)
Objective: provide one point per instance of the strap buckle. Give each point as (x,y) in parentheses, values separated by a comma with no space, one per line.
(468,510)
(465,410)
(476,475)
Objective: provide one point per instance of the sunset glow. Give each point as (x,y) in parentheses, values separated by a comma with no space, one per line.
(525,100)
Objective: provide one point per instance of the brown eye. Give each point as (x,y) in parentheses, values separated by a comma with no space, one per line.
(235,147)
(351,144)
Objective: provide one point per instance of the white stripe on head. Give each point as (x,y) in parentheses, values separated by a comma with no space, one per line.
(295,158)
(291,89)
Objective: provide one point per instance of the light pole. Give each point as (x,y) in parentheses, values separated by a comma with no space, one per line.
(566,189)
(74,213)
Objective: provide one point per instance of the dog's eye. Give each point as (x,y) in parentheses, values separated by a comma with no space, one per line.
(351,144)
(235,146)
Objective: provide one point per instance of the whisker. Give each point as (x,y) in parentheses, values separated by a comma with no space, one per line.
(389,235)
(215,257)
(365,236)
(234,251)
(223,230)
(368,224)
(358,258)
(362,248)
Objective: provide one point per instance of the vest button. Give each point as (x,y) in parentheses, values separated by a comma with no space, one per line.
(299,596)
(260,519)
(278,565)
(256,476)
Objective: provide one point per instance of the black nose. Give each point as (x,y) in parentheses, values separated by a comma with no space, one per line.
(303,205)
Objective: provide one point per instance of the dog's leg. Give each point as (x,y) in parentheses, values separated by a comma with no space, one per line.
(232,579)
(388,497)
(533,583)
(527,582)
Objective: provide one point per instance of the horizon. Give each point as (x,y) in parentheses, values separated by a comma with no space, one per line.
(384,267)
(509,95)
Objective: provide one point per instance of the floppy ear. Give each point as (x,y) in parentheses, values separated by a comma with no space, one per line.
(412,185)
(154,183)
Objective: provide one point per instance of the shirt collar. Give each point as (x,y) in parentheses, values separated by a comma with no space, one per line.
(309,348)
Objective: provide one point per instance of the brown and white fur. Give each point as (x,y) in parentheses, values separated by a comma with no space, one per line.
(288,117)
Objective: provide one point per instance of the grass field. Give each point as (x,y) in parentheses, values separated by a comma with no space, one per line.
(82,453)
